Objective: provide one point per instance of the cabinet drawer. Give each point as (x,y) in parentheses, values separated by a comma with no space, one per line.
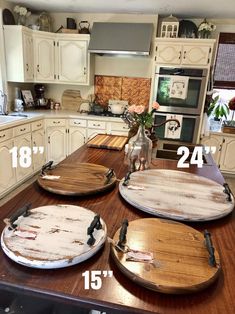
(22,129)
(100,125)
(77,122)
(37,125)
(116,126)
(6,135)
(56,122)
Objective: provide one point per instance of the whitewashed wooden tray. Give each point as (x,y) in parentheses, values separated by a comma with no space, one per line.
(177,195)
(52,236)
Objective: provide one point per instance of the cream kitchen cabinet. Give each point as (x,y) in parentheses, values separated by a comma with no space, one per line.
(95,127)
(225,150)
(38,140)
(7,173)
(118,128)
(189,52)
(72,61)
(76,134)
(44,57)
(64,136)
(19,45)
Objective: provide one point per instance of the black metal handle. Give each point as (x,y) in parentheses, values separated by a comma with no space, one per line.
(109,175)
(95,224)
(127,178)
(210,248)
(122,234)
(46,166)
(228,192)
(23,211)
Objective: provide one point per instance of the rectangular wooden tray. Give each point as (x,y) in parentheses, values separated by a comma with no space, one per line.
(106,141)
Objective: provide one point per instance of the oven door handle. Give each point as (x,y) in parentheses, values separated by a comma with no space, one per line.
(178,72)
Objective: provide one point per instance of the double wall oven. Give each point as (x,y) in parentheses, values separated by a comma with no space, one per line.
(188,108)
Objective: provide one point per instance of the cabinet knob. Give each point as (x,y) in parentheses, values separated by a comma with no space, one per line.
(84,71)
(49,140)
(180,53)
(27,67)
(2,136)
(21,130)
(38,67)
(184,54)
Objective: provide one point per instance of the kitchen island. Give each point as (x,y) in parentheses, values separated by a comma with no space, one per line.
(118,294)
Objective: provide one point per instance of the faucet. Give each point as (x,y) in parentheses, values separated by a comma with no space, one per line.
(3,104)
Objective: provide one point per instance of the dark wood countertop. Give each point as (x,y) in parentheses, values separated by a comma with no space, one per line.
(118,294)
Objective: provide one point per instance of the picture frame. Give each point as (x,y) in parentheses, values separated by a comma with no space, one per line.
(28,98)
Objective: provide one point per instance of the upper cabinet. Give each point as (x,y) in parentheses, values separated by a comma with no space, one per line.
(19,53)
(72,60)
(42,57)
(178,51)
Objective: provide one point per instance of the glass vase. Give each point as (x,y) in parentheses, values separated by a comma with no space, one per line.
(21,20)
(139,151)
(204,34)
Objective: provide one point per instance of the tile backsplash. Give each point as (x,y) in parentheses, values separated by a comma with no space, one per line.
(135,90)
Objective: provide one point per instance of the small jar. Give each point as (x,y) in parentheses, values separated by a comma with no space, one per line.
(57,106)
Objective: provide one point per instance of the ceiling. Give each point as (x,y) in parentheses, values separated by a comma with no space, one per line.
(181,8)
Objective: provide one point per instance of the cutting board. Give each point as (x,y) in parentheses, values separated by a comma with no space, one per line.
(115,142)
(180,257)
(52,236)
(77,179)
(72,100)
(177,195)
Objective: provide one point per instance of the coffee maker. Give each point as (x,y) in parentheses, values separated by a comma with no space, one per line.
(40,100)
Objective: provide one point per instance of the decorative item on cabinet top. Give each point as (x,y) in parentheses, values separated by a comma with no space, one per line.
(187,29)
(205,29)
(44,22)
(170,27)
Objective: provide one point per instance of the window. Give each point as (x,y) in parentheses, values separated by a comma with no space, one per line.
(224,74)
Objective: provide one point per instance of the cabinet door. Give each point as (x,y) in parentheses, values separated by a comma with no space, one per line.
(196,55)
(72,61)
(38,140)
(21,172)
(28,57)
(168,53)
(44,59)
(227,160)
(77,137)
(56,144)
(7,173)
(216,141)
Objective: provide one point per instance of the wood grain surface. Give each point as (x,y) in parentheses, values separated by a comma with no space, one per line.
(180,258)
(177,195)
(118,294)
(77,179)
(72,100)
(52,236)
(108,141)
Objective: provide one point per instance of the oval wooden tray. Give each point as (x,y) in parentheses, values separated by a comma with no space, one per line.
(77,179)
(177,195)
(52,236)
(180,258)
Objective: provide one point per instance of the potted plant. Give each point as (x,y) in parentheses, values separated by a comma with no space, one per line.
(217,110)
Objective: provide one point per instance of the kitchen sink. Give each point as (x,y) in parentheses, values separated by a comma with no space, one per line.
(6,119)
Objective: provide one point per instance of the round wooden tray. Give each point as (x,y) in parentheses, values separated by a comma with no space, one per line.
(77,179)
(177,195)
(52,236)
(180,257)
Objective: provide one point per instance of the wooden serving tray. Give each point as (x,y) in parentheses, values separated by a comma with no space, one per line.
(180,258)
(108,141)
(177,195)
(77,179)
(52,236)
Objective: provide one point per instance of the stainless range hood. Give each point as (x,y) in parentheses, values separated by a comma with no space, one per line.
(121,38)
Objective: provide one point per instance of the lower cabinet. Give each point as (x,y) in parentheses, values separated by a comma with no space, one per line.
(38,140)
(56,143)
(7,173)
(225,150)
(21,172)
(64,137)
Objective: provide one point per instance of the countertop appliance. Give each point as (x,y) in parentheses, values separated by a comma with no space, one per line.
(40,100)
